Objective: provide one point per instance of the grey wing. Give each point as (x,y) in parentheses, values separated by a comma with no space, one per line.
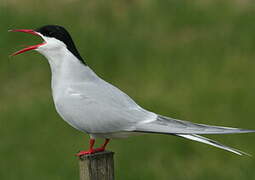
(108,109)
(166,125)
(188,130)
(99,107)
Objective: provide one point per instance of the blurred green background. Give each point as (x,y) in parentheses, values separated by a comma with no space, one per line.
(191,60)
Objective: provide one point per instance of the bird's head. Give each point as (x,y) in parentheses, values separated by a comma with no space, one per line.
(56,38)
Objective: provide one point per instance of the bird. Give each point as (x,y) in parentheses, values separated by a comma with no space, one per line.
(91,105)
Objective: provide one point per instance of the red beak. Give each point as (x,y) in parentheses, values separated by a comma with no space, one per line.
(29,31)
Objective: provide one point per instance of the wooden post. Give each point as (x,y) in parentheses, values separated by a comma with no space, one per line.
(98,166)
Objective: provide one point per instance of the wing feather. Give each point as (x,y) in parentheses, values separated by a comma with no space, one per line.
(166,125)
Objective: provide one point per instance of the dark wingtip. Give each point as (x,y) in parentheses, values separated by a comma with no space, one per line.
(247,131)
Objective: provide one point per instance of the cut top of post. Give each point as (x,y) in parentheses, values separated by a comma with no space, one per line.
(98,166)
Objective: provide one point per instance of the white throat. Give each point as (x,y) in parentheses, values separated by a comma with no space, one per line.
(66,69)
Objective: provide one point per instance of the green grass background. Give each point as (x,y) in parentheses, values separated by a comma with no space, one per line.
(191,60)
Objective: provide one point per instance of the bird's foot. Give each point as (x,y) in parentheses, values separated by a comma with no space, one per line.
(91,151)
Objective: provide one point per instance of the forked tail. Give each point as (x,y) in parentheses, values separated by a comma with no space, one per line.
(211,142)
(189,130)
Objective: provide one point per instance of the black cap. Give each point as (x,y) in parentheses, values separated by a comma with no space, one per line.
(61,34)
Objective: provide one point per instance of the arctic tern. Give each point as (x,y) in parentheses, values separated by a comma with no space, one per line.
(94,106)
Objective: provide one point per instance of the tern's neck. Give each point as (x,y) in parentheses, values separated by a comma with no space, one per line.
(67,69)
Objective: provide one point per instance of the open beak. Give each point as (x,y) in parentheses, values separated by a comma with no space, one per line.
(29,31)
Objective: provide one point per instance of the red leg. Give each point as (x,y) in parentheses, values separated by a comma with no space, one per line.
(105,143)
(90,151)
(102,148)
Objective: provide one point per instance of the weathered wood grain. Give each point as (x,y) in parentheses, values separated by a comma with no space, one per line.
(98,166)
